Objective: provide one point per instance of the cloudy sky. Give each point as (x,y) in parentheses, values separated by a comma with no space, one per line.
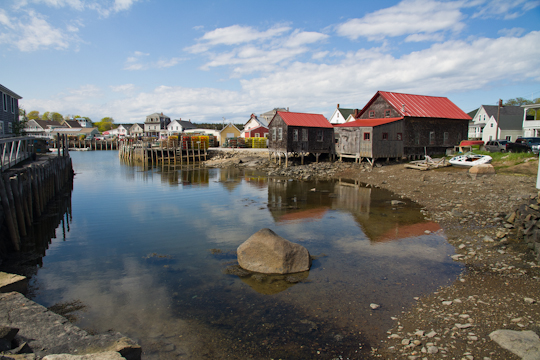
(209,60)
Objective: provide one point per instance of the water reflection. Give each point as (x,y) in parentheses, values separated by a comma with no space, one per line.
(180,304)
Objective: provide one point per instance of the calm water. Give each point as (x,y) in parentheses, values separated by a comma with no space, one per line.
(146,253)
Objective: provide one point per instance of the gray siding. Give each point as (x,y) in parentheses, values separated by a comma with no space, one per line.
(350,141)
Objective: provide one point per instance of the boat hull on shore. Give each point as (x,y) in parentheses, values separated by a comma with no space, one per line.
(470,160)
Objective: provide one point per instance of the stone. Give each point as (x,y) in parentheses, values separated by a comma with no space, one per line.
(525,344)
(374,306)
(108,355)
(432,350)
(431,334)
(529,300)
(12,282)
(482,169)
(268,253)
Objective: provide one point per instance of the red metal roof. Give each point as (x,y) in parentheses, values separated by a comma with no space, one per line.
(368,122)
(421,106)
(304,119)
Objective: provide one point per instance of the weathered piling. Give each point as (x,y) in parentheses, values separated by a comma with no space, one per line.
(25,192)
(164,152)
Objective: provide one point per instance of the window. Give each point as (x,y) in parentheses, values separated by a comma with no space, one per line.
(280,134)
(4,98)
(446,138)
(385,136)
(320,135)
(367,136)
(399,136)
(10,128)
(274,134)
(1,128)
(509,138)
(372,113)
(416,138)
(257,135)
(304,134)
(491,125)
(387,113)
(432,138)
(13,105)
(295,135)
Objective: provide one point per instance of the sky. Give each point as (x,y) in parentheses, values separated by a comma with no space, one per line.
(221,61)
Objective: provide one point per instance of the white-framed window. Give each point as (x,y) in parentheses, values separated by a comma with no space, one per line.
(280,134)
(509,137)
(295,135)
(13,105)
(257,135)
(491,125)
(4,99)
(304,134)
(371,113)
(10,128)
(273,134)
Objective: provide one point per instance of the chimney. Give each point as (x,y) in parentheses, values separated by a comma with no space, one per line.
(355,113)
(338,106)
(287,109)
(403,108)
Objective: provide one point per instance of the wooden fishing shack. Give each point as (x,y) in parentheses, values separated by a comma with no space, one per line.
(299,134)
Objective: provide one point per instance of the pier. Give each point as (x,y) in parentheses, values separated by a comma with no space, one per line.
(165,152)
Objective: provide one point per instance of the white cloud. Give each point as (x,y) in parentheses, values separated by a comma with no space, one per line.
(300,38)
(506,9)
(511,32)
(234,35)
(407,17)
(126,88)
(136,62)
(32,32)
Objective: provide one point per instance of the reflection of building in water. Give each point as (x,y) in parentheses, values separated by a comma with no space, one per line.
(294,200)
(379,219)
(199,176)
(255,178)
(371,208)
(230,177)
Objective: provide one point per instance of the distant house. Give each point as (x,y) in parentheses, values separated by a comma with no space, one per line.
(228,132)
(70,124)
(155,123)
(84,122)
(88,133)
(41,128)
(269,115)
(300,133)
(9,111)
(179,126)
(136,130)
(121,131)
(531,120)
(484,123)
(341,115)
(393,125)
(255,127)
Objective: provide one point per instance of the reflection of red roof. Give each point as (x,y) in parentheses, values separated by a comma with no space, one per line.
(306,215)
(368,122)
(420,106)
(303,119)
(407,231)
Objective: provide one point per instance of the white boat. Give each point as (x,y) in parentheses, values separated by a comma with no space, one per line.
(469,160)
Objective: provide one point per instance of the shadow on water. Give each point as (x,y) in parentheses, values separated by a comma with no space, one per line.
(156,260)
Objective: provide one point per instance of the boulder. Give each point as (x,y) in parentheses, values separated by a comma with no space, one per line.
(482,169)
(268,253)
(524,344)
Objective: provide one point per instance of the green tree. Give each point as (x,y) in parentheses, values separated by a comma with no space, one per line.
(56,117)
(20,126)
(105,124)
(33,115)
(46,115)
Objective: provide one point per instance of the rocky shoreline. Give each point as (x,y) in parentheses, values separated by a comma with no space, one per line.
(499,288)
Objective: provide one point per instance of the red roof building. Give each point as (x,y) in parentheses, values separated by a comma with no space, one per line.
(394,125)
(300,133)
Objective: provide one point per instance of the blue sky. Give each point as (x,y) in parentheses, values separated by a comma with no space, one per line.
(209,60)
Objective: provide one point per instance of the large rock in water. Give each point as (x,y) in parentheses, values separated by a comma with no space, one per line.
(268,253)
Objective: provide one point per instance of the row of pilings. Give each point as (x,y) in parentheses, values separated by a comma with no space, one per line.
(25,192)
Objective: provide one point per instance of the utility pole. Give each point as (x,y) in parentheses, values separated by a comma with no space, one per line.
(498,116)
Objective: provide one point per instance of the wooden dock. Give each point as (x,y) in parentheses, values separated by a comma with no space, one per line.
(166,152)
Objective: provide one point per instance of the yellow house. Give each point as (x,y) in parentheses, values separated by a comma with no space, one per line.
(229,131)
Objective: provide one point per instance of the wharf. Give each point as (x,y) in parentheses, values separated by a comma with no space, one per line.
(163,152)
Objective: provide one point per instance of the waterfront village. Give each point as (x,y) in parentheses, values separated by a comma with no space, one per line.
(491,216)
